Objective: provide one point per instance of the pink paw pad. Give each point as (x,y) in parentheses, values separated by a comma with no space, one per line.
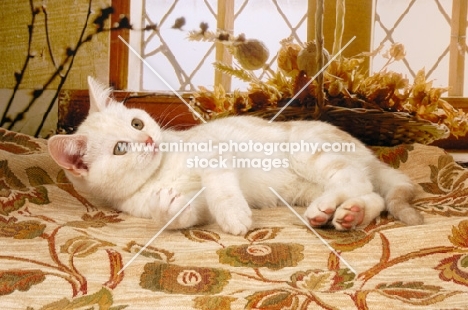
(321,220)
(352,218)
(318,221)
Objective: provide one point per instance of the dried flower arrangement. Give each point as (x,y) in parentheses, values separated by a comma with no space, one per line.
(381,109)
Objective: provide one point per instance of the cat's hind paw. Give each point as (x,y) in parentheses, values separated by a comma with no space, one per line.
(321,218)
(342,219)
(348,216)
(358,211)
(320,212)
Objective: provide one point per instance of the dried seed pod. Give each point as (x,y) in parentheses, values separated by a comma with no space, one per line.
(397,51)
(287,56)
(251,54)
(335,88)
(307,59)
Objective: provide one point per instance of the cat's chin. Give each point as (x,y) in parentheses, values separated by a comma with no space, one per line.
(149,160)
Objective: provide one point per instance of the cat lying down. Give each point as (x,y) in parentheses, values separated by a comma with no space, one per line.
(121,156)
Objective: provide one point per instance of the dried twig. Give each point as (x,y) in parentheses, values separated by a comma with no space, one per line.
(319,55)
(71,54)
(339,28)
(67,62)
(19,75)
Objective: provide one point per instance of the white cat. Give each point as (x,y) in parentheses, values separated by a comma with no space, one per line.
(346,189)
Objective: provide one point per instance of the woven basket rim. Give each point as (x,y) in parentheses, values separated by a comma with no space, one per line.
(395,127)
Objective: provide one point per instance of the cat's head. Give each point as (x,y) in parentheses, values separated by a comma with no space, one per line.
(113,151)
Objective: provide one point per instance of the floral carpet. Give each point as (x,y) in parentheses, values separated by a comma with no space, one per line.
(58,251)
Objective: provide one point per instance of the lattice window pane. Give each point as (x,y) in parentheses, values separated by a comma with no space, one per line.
(271,21)
(185,65)
(423,26)
(180,62)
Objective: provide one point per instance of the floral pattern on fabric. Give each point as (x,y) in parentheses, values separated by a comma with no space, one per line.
(59,251)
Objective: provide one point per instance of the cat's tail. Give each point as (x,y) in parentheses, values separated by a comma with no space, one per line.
(398,192)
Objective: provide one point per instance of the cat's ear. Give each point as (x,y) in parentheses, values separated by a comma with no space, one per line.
(99,95)
(68,151)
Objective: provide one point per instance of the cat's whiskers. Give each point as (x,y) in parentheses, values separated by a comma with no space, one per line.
(168,126)
(165,113)
(161,118)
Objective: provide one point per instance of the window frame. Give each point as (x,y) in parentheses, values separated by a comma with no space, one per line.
(119,53)
(361,27)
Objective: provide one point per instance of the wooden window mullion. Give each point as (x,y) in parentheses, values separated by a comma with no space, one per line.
(359,22)
(118,54)
(457,47)
(225,21)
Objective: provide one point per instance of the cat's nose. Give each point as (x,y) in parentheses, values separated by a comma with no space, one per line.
(149,140)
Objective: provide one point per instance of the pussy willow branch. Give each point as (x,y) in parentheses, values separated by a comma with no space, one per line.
(38,92)
(71,54)
(19,75)
(49,45)
(122,25)
(67,62)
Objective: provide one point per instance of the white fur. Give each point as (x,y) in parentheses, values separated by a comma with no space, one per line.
(344,189)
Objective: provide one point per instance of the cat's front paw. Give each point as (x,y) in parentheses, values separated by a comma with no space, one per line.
(166,203)
(234,216)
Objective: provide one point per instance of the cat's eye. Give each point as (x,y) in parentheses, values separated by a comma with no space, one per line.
(137,124)
(120,148)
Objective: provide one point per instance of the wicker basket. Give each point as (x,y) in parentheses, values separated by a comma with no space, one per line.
(371,126)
